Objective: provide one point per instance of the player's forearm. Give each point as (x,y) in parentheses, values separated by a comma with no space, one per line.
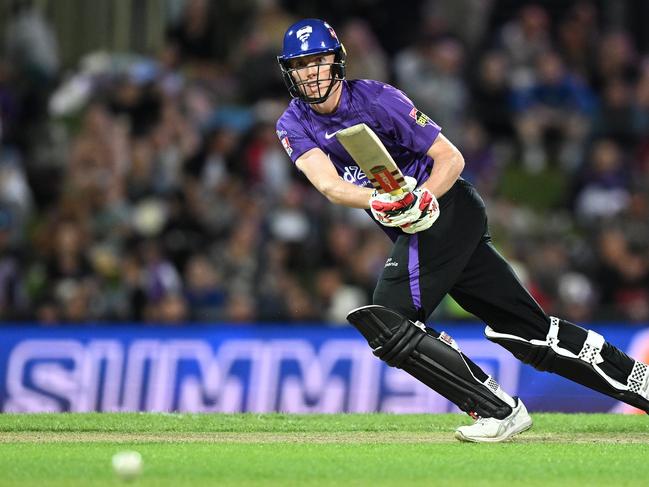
(347,194)
(444,174)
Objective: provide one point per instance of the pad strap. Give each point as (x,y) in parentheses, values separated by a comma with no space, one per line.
(592,349)
(590,352)
(552,338)
(639,379)
(588,366)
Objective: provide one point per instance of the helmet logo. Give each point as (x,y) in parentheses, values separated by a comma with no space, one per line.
(304,33)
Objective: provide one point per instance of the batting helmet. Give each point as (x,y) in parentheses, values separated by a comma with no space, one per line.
(305,38)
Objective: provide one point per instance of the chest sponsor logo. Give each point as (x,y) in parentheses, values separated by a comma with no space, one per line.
(420,117)
(353,174)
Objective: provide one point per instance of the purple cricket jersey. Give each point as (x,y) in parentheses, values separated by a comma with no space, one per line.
(406,132)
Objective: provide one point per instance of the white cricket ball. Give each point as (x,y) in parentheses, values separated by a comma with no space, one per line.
(127,464)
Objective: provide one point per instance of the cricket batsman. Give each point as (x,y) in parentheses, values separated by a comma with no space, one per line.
(441,245)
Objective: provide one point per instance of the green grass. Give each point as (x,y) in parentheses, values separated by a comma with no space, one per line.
(376,449)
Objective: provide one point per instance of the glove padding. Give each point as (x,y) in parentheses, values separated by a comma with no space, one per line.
(415,206)
(395,210)
(429,214)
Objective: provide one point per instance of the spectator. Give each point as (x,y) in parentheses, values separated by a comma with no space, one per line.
(640,107)
(523,40)
(300,305)
(139,102)
(336,297)
(160,278)
(149,167)
(615,117)
(603,188)
(616,59)
(13,293)
(31,43)
(577,300)
(32,51)
(491,96)
(204,292)
(555,104)
(240,307)
(577,37)
(193,37)
(623,278)
(481,166)
(432,75)
(255,60)
(9,104)
(237,258)
(172,309)
(369,61)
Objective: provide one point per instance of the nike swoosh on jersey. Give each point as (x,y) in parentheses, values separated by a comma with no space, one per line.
(328,135)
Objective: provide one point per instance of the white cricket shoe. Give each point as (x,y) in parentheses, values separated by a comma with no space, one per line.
(492,430)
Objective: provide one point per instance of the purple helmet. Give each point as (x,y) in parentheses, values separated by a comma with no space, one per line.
(305,38)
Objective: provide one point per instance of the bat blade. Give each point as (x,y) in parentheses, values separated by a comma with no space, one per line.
(372,157)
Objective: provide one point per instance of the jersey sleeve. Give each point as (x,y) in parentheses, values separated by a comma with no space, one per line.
(293,136)
(396,114)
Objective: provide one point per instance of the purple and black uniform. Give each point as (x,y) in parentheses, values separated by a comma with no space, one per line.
(425,266)
(405,131)
(454,256)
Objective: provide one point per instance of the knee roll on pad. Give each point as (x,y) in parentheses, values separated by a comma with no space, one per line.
(432,358)
(584,357)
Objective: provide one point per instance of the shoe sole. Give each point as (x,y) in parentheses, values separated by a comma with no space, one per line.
(520,429)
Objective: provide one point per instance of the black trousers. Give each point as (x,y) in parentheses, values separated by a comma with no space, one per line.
(456,256)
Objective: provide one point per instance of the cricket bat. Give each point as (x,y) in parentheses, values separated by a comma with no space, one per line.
(372,157)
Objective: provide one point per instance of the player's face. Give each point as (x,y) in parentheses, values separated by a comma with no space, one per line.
(313,73)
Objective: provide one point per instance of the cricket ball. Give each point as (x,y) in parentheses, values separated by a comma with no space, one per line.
(127,464)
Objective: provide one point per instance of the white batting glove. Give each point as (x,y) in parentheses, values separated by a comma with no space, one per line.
(429,214)
(395,210)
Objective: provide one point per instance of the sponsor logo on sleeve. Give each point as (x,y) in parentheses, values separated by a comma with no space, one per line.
(420,117)
(287,146)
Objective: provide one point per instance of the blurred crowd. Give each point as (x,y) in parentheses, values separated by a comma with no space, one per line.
(152,187)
